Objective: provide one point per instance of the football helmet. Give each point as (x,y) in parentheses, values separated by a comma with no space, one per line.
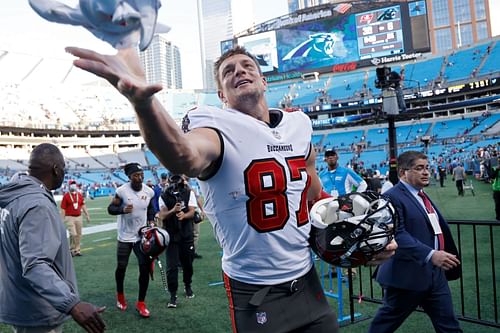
(350,230)
(154,241)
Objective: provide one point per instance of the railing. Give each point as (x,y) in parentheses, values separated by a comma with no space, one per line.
(475,294)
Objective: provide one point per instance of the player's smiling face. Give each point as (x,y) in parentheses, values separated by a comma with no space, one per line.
(241,81)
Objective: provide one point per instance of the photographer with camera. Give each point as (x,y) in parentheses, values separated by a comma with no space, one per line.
(177,207)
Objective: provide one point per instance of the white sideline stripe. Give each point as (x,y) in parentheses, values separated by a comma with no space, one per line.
(101,239)
(99,228)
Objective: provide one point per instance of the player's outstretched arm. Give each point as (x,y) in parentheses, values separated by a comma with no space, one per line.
(189,154)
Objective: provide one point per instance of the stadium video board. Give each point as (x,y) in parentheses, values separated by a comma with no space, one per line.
(366,35)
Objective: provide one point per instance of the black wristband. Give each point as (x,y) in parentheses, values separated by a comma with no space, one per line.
(115,210)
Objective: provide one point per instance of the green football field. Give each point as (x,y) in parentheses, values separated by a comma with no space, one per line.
(208,311)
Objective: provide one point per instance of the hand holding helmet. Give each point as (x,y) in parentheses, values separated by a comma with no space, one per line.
(154,241)
(351,230)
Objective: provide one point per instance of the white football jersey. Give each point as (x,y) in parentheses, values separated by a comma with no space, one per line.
(129,224)
(256,200)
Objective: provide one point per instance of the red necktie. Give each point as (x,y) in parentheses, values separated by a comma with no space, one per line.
(430,210)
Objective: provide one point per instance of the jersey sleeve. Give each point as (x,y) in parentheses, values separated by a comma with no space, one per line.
(309,130)
(202,116)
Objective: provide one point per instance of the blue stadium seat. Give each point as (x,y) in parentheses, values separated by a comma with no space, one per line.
(451,128)
(461,64)
(424,72)
(342,140)
(377,136)
(276,92)
(411,133)
(491,64)
(484,124)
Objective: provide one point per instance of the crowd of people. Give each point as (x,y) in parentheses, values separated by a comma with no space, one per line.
(256,197)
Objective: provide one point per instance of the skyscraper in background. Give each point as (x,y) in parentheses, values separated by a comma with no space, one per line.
(220,20)
(162,63)
(216,25)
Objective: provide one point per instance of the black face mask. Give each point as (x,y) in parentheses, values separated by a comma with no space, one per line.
(59,177)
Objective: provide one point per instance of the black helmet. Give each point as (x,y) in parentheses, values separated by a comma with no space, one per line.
(154,240)
(350,230)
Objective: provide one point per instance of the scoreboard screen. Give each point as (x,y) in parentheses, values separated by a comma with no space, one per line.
(380,33)
(362,35)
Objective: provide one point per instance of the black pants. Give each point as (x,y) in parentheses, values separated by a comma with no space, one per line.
(460,187)
(179,252)
(496,197)
(400,303)
(295,306)
(122,255)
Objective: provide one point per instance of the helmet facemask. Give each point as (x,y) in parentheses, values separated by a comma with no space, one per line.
(362,225)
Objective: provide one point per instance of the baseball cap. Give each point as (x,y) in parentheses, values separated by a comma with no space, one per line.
(131,168)
(164,175)
(330,152)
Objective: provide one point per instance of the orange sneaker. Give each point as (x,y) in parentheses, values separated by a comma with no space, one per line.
(141,308)
(121,303)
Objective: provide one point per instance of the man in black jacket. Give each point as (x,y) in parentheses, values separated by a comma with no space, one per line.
(177,207)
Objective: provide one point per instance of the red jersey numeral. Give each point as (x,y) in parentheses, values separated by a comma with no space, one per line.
(266,186)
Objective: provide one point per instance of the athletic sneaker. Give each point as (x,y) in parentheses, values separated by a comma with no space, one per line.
(141,308)
(173,302)
(121,303)
(189,292)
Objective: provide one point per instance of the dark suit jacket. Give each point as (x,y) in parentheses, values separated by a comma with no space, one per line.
(407,269)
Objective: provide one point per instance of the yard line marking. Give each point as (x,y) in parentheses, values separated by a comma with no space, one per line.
(101,239)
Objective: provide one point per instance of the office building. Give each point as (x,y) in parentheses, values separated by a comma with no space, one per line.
(162,63)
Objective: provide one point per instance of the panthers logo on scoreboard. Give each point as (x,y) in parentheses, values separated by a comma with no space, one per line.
(319,45)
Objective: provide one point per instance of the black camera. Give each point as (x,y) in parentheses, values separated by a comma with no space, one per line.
(387,78)
(175,187)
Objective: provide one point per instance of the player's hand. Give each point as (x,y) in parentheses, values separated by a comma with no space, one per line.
(88,316)
(180,215)
(122,70)
(444,260)
(128,208)
(389,251)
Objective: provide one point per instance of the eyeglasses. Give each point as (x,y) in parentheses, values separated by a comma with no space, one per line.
(420,168)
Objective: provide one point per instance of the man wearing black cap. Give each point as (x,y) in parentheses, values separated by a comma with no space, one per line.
(338,180)
(133,205)
(159,188)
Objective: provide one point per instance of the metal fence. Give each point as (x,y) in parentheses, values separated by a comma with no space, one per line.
(475,294)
